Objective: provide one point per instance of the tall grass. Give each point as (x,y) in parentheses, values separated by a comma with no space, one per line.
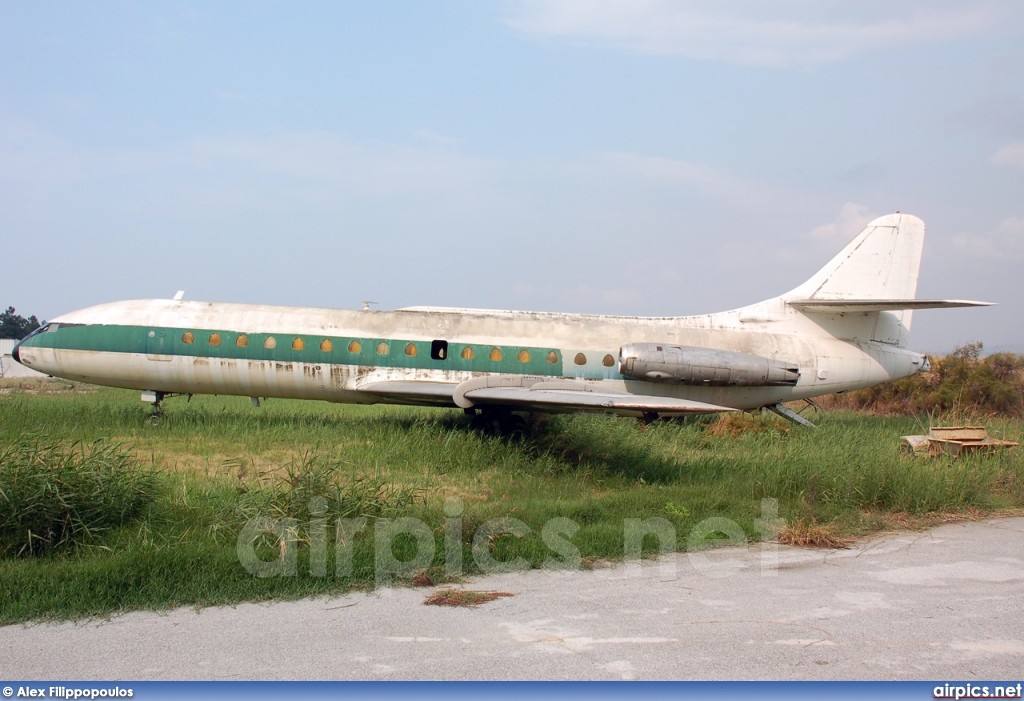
(315,478)
(54,494)
(222,462)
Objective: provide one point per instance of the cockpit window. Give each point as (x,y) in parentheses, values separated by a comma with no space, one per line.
(49,328)
(42,329)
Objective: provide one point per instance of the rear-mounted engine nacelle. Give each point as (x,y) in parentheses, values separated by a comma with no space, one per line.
(691,365)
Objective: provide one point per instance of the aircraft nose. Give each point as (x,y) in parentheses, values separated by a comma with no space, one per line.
(16,353)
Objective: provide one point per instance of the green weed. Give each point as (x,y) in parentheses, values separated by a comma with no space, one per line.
(55,494)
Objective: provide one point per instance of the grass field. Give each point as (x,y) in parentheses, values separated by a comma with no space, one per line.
(217,462)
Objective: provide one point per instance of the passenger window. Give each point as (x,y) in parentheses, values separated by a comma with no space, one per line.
(355,347)
(382,348)
(439,350)
(608,361)
(580,359)
(410,350)
(270,343)
(326,346)
(496,355)
(187,337)
(242,341)
(467,353)
(552,357)
(214,339)
(524,356)
(298,344)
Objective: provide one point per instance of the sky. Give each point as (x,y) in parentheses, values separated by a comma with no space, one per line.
(644,157)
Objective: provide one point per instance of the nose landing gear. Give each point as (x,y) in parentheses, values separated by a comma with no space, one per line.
(155,398)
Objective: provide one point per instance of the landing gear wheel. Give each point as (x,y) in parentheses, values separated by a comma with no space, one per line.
(492,422)
(648,418)
(514,428)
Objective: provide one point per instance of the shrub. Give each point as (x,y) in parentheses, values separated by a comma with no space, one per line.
(963,383)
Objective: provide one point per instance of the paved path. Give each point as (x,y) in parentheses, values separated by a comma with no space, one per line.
(944,604)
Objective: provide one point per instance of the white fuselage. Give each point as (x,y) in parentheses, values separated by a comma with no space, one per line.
(770,329)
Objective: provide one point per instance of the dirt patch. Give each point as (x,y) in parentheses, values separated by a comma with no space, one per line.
(463,597)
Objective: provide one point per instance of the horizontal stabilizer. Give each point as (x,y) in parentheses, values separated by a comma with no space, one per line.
(879,305)
(563,399)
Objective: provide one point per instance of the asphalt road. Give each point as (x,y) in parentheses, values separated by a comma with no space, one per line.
(943,604)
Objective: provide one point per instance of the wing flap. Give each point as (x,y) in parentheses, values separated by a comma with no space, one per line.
(432,392)
(567,399)
(879,305)
(534,393)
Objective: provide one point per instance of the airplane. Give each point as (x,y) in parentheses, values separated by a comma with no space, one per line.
(846,328)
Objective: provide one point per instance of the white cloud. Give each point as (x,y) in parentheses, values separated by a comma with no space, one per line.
(1010,155)
(1004,242)
(610,300)
(381,167)
(432,137)
(851,220)
(711,183)
(752,32)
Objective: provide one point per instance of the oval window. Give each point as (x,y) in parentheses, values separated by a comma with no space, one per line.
(382,348)
(495,354)
(410,350)
(187,337)
(214,339)
(580,359)
(298,344)
(467,353)
(242,341)
(552,357)
(326,346)
(354,347)
(608,361)
(524,356)
(270,342)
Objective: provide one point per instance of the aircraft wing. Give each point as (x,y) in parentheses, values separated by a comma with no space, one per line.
(563,400)
(534,393)
(878,305)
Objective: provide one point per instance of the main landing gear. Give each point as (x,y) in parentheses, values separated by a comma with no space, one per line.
(497,422)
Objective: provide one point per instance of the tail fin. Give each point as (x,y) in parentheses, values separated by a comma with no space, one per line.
(881,263)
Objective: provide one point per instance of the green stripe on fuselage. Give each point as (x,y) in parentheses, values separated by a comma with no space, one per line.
(168,341)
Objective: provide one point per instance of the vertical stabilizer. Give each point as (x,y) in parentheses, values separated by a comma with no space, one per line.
(881,263)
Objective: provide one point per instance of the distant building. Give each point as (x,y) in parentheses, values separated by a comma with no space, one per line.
(8,366)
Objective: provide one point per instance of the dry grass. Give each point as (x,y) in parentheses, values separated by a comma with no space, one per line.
(736,424)
(422,579)
(463,597)
(811,534)
(43,385)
